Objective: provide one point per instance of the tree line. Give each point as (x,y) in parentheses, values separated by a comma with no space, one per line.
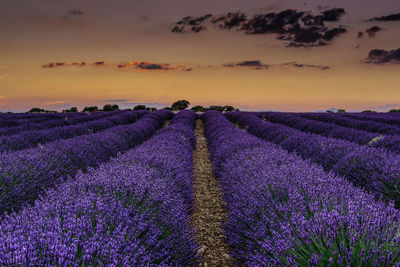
(176,106)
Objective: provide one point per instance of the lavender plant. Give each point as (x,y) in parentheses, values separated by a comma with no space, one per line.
(131,211)
(25,174)
(285,211)
(31,138)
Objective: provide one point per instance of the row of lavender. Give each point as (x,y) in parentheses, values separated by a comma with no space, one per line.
(55,122)
(374,169)
(286,211)
(25,174)
(131,211)
(31,138)
(389,142)
(389,118)
(350,122)
(13,119)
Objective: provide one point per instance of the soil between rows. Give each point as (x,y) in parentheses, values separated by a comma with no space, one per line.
(209,213)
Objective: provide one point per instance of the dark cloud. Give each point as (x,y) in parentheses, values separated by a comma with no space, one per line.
(54,65)
(99,63)
(75,12)
(294,28)
(380,56)
(297,65)
(149,66)
(258,65)
(329,35)
(373,30)
(333,14)
(393,17)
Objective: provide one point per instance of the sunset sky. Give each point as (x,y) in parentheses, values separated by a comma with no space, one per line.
(58,54)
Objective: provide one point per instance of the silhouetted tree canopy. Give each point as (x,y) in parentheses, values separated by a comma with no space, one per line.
(109,107)
(90,109)
(198,109)
(140,107)
(180,105)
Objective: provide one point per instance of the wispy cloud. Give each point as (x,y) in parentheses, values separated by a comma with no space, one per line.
(150,66)
(257,65)
(116,100)
(54,103)
(3,76)
(131,65)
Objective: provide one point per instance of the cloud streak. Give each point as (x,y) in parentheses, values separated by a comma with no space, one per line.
(257,65)
(393,17)
(131,65)
(53,103)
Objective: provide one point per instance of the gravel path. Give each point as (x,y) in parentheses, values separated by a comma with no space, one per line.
(208,213)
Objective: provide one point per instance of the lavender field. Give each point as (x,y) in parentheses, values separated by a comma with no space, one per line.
(157,188)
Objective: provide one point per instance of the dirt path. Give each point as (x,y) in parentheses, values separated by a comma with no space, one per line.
(209,213)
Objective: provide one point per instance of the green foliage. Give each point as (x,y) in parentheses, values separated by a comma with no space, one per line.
(90,109)
(36,110)
(39,110)
(228,108)
(341,111)
(394,110)
(140,107)
(218,108)
(198,109)
(109,107)
(180,105)
(368,111)
(73,109)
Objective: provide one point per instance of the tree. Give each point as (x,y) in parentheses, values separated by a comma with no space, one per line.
(228,108)
(140,107)
(215,107)
(341,111)
(368,111)
(394,110)
(36,110)
(73,109)
(180,105)
(153,109)
(90,109)
(198,109)
(107,107)
(167,108)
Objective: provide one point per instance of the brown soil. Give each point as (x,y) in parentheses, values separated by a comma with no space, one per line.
(209,213)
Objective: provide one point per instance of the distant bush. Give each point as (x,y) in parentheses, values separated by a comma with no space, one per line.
(140,107)
(90,109)
(109,107)
(394,110)
(198,109)
(73,109)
